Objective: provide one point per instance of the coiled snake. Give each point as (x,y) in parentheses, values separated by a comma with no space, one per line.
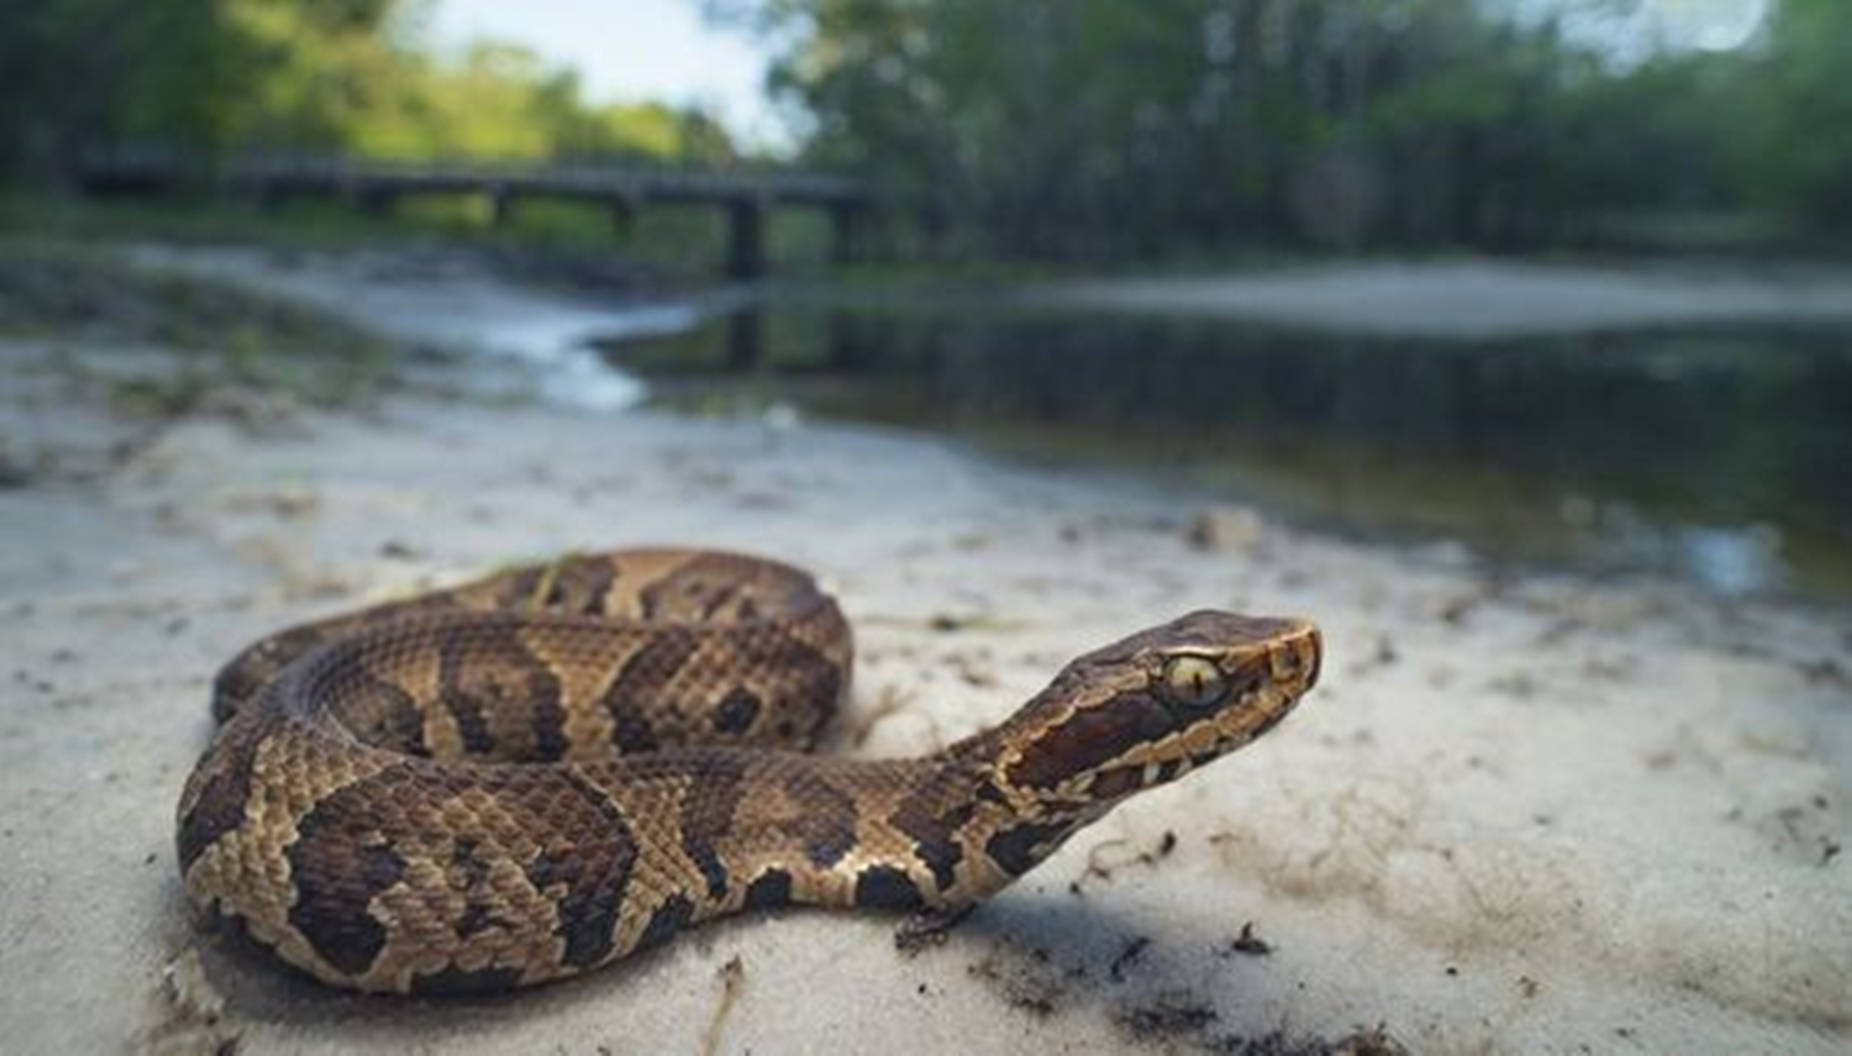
(540,772)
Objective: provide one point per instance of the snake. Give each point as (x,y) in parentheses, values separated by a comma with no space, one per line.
(551,768)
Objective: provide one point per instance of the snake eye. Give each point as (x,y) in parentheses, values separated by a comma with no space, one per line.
(1194,681)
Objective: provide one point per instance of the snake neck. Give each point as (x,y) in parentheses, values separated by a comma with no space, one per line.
(945,835)
(931,833)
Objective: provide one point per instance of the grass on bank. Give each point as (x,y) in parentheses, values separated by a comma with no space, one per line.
(581,244)
(225,336)
(574,243)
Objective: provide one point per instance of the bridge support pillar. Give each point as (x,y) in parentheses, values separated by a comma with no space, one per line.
(745,339)
(375,201)
(501,207)
(745,238)
(623,216)
(845,234)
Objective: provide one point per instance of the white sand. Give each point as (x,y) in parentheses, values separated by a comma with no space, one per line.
(1530,816)
(1478,298)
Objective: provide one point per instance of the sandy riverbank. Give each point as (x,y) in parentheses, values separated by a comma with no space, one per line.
(1479,299)
(1531,815)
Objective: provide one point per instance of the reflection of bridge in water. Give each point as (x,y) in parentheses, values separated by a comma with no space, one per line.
(745,194)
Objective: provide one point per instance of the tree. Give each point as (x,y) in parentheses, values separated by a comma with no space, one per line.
(320,76)
(1798,154)
(77,72)
(1053,128)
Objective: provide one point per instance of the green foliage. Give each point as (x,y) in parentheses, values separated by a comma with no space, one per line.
(1797,130)
(299,75)
(226,336)
(1035,129)
(335,78)
(75,71)
(1090,127)
(1053,128)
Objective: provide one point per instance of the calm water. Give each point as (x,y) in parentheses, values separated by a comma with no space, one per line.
(1724,455)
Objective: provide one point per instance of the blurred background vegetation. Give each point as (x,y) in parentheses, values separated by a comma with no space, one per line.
(1082,130)
(1014,139)
(1100,128)
(312,76)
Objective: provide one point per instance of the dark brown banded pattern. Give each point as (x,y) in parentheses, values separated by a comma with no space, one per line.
(1090,737)
(577,585)
(886,887)
(1017,848)
(342,861)
(213,803)
(639,686)
(737,711)
(708,818)
(534,774)
(503,700)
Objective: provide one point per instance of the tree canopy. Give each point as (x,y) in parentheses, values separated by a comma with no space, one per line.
(1037,128)
(304,75)
(1098,127)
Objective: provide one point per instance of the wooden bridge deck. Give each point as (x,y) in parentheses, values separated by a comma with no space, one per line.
(745,194)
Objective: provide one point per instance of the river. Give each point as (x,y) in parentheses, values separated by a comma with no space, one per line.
(1593,421)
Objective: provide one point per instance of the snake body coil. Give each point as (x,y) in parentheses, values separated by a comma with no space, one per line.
(543,771)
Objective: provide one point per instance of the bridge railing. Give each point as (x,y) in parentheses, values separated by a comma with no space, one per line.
(634,178)
(742,192)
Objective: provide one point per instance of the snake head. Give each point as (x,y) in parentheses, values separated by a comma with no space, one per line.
(1152,707)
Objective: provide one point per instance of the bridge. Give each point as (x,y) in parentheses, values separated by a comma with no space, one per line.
(744,194)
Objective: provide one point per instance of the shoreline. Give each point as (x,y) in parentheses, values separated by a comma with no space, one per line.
(528,343)
(1477,299)
(1521,813)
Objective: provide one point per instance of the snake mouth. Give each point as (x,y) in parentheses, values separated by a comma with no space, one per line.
(1287,672)
(1308,647)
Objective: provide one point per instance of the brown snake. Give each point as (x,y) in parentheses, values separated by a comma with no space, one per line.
(543,771)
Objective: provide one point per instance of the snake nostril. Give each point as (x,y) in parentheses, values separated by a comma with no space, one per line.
(1282,661)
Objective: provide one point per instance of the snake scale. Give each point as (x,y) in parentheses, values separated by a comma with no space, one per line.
(540,772)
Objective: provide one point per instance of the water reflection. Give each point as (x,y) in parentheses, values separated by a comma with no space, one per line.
(1721,453)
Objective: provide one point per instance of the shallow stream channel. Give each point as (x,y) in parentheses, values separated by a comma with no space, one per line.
(1715,451)
(1721,453)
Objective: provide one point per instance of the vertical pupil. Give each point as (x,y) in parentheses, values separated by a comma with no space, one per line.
(1195,682)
